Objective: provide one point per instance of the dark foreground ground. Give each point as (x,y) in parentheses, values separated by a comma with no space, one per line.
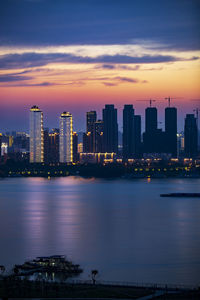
(22,289)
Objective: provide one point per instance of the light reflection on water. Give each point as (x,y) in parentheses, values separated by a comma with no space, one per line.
(122,228)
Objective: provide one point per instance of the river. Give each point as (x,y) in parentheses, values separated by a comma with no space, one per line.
(122,228)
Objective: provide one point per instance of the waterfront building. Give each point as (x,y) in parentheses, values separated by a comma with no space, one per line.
(171,130)
(66,138)
(96,158)
(110,129)
(128,132)
(191,136)
(36,140)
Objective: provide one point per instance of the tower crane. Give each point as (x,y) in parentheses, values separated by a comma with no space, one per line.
(169,100)
(150,101)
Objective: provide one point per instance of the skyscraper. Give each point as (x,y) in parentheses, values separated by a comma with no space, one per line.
(150,134)
(91,117)
(137,135)
(128,131)
(36,141)
(153,138)
(191,136)
(171,130)
(66,138)
(75,147)
(98,136)
(110,129)
(151,119)
(54,146)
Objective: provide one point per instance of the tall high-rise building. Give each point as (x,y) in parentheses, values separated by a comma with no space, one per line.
(110,129)
(87,142)
(46,145)
(191,136)
(36,141)
(137,135)
(75,147)
(128,131)
(98,136)
(66,138)
(151,119)
(153,138)
(171,130)
(54,145)
(150,141)
(91,117)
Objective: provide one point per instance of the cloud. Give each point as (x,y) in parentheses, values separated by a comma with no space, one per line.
(100,22)
(32,59)
(118,67)
(109,83)
(11,78)
(126,79)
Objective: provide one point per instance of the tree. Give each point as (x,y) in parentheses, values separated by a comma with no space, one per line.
(93,275)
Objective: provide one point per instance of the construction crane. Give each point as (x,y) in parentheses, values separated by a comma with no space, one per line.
(150,101)
(169,100)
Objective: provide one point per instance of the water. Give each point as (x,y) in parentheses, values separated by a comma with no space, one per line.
(122,228)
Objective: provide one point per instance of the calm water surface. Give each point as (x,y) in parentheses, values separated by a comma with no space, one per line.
(122,228)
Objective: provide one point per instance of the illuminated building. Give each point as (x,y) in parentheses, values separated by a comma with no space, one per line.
(36,141)
(54,146)
(80,147)
(96,158)
(88,137)
(87,142)
(110,129)
(4,149)
(66,138)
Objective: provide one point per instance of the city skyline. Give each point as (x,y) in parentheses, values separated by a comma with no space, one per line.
(127,51)
(99,116)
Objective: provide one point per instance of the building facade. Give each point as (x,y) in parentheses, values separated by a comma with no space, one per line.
(36,140)
(66,138)
(110,129)
(128,132)
(171,130)
(191,136)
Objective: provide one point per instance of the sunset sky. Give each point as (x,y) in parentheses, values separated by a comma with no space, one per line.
(79,55)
